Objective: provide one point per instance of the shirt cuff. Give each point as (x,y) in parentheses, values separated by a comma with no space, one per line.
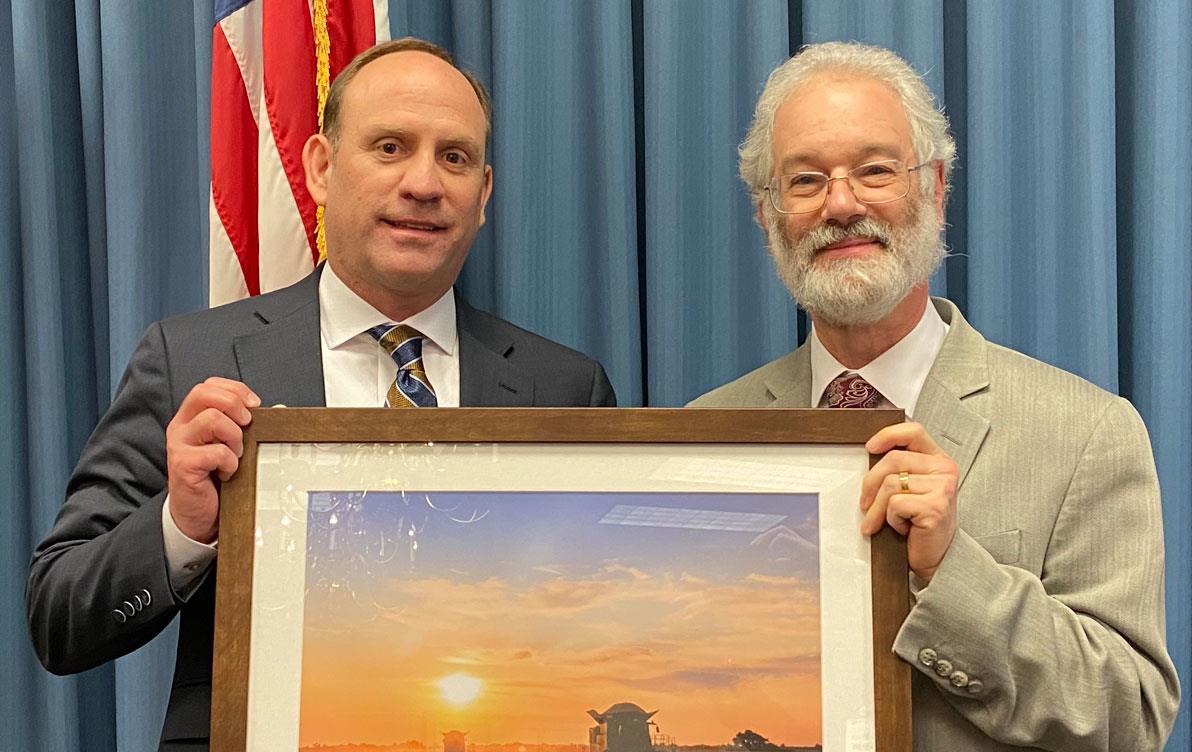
(187,560)
(917,585)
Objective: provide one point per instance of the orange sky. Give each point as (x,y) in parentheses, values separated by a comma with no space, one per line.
(713,657)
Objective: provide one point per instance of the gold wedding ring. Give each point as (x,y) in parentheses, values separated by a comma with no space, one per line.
(904,480)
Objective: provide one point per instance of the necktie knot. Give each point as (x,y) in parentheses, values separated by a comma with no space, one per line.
(403,343)
(850,390)
(412,387)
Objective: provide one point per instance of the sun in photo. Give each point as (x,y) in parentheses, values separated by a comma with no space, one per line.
(459,689)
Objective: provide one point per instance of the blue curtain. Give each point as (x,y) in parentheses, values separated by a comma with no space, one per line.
(103,203)
(617,226)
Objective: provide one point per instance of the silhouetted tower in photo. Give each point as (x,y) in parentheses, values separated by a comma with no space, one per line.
(622,728)
(455,741)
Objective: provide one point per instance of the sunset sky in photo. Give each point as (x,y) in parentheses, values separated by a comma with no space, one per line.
(510,615)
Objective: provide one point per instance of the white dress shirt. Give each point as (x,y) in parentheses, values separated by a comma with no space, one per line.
(357,372)
(898,373)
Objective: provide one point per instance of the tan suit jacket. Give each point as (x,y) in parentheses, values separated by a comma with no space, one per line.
(1049,603)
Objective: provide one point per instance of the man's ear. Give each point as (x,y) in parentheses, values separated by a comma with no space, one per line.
(941,187)
(316,163)
(761,217)
(488,191)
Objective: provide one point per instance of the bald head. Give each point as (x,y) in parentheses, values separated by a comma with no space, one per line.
(333,109)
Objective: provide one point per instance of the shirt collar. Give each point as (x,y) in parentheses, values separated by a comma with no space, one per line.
(898,373)
(343,315)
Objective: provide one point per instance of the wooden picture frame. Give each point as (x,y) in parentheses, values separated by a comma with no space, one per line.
(696,430)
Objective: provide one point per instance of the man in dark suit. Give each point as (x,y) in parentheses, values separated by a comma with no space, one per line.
(400,171)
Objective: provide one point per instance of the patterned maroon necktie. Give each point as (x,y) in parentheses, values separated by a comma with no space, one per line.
(850,390)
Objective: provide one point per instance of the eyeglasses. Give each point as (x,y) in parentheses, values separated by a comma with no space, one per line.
(871,183)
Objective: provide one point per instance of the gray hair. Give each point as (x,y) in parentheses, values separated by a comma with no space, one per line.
(929,128)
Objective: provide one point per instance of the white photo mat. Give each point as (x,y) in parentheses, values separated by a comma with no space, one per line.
(287,473)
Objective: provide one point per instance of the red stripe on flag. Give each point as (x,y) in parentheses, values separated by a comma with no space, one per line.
(351,26)
(290,96)
(234,158)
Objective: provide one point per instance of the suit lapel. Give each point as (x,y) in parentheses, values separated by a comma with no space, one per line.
(790,384)
(282,360)
(486,377)
(960,372)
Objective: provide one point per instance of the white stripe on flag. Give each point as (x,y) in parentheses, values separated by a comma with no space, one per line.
(226,280)
(381,19)
(285,255)
(243,30)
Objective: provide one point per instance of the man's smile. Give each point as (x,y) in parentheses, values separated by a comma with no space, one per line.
(850,247)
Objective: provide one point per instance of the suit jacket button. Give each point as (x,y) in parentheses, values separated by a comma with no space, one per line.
(943,667)
(119,616)
(140,604)
(959,679)
(148,598)
(975,686)
(927,657)
(129,609)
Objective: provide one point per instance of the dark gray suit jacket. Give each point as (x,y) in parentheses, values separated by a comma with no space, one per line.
(105,549)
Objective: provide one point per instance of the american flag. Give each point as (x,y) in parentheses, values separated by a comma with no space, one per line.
(264,105)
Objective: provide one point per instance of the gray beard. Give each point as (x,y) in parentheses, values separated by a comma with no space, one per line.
(858,291)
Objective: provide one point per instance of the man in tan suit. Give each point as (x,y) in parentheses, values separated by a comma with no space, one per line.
(1028,496)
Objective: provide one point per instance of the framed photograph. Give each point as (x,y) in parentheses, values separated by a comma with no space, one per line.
(558,580)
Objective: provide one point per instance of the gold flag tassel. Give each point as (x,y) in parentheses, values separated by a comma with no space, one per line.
(322,84)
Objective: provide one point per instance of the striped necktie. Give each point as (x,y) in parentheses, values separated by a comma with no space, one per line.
(850,390)
(411,388)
